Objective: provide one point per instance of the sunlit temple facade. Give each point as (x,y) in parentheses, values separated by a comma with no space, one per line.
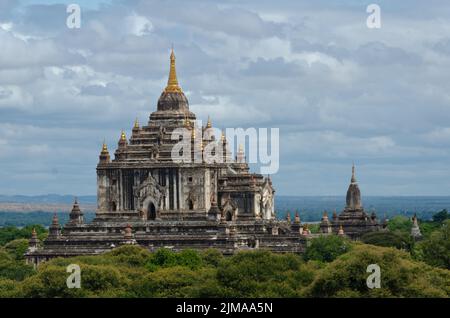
(145,197)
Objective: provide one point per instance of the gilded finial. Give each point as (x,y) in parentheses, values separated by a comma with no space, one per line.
(172,83)
(223,137)
(123,136)
(136,123)
(208,124)
(104,146)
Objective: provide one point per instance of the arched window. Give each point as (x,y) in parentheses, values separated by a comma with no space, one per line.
(113,206)
(151,213)
(191,205)
(228,216)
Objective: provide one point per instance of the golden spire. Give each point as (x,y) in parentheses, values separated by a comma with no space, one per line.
(123,136)
(208,124)
(172,83)
(223,136)
(136,123)
(240,148)
(104,147)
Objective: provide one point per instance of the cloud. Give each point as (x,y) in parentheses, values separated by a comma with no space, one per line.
(138,25)
(338,91)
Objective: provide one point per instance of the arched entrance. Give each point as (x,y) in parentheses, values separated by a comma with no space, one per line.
(228,216)
(151,211)
(191,205)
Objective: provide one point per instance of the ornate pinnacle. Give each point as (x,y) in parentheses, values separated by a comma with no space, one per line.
(55,220)
(353,180)
(104,147)
(172,83)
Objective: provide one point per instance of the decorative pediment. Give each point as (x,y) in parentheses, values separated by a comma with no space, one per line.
(229,205)
(149,188)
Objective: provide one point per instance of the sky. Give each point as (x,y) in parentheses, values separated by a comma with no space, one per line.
(339,91)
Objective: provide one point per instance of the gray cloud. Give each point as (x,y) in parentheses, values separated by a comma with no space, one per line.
(338,91)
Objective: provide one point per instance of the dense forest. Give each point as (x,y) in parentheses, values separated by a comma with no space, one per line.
(331,266)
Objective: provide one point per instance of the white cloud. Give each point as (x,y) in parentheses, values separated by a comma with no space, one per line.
(138,25)
(338,91)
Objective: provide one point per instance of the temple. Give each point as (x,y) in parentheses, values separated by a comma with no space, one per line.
(146,197)
(353,221)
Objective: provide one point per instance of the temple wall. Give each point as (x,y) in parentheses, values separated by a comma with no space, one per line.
(102,191)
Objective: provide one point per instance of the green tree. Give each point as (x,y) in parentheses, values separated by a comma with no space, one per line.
(165,258)
(177,281)
(400,223)
(212,257)
(326,248)
(263,274)
(436,249)
(17,248)
(9,288)
(400,276)
(388,239)
(11,233)
(13,269)
(441,216)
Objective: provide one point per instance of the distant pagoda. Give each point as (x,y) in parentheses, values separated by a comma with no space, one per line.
(353,220)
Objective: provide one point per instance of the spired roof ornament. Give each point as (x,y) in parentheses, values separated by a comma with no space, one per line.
(353,180)
(55,221)
(353,199)
(172,83)
(297,217)
(104,147)
(34,236)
